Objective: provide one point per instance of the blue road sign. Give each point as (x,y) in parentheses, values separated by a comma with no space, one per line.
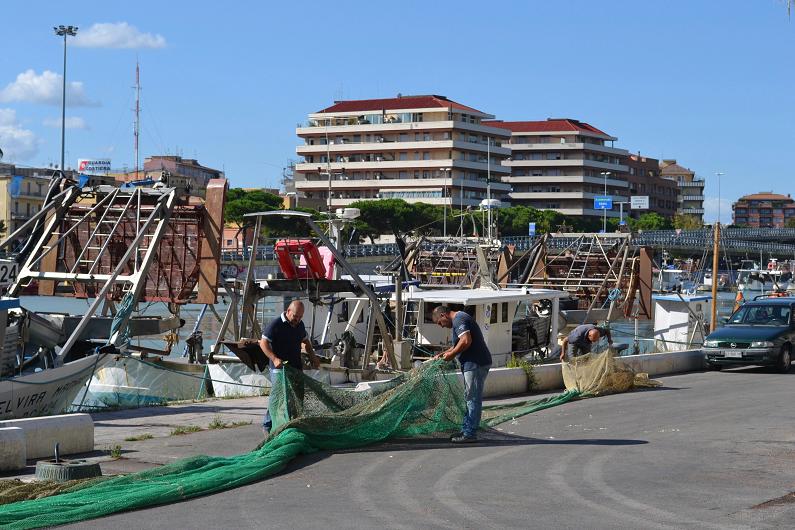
(531,228)
(603,202)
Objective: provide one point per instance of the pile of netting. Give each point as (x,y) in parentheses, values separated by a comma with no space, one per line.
(424,402)
(596,374)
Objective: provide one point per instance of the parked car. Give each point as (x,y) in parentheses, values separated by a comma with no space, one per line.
(760,332)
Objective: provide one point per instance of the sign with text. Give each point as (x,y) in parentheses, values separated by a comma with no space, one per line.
(8,271)
(603,202)
(639,202)
(92,166)
(531,227)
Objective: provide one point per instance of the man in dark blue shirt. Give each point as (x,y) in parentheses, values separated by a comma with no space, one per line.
(281,342)
(475,359)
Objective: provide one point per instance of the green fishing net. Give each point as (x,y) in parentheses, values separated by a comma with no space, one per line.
(308,416)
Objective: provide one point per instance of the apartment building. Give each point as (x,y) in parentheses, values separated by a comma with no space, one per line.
(21,197)
(645,180)
(691,189)
(416,148)
(563,164)
(22,193)
(763,210)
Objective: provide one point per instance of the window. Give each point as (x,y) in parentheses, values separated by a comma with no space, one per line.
(493,319)
(404,156)
(504,312)
(426,155)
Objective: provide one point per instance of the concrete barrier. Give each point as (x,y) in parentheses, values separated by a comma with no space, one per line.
(507,381)
(664,363)
(73,432)
(510,381)
(13,455)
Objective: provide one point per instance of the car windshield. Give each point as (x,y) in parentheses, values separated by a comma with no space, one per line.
(761,315)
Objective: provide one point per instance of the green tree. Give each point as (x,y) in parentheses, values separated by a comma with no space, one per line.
(650,221)
(239,202)
(790,223)
(687,222)
(386,216)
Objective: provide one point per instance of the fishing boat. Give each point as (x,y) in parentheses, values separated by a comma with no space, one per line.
(114,247)
(776,276)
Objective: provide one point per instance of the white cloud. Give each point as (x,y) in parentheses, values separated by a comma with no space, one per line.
(711,207)
(119,35)
(16,143)
(46,88)
(72,122)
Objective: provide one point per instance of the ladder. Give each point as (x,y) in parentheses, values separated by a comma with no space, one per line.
(579,263)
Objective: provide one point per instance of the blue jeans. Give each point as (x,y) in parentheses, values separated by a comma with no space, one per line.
(474,381)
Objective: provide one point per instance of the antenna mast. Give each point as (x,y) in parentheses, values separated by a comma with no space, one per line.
(137,129)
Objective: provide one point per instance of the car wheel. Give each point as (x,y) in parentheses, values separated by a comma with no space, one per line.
(785,359)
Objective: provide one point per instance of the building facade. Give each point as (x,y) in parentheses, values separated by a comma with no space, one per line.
(185,174)
(22,193)
(563,164)
(416,148)
(645,180)
(763,210)
(691,189)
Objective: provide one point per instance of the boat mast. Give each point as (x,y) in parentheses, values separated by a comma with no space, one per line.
(715,247)
(137,128)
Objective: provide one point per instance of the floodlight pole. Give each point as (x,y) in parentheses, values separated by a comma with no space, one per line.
(64,31)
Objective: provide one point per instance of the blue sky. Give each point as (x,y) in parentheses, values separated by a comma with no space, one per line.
(708,82)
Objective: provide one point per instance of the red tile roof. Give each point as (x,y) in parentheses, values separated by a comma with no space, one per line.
(549,125)
(765,196)
(402,102)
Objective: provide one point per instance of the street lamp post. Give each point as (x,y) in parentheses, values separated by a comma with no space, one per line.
(488,181)
(604,210)
(64,31)
(445,174)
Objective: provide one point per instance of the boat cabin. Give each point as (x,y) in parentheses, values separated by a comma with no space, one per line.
(493,310)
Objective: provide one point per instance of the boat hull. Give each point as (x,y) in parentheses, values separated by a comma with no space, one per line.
(48,392)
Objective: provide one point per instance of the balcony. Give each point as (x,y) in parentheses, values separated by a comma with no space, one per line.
(321,130)
(694,184)
(568,147)
(692,198)
(408,145)
(576,162)
(408,165)
(559,179)
(28,195)
(382,184)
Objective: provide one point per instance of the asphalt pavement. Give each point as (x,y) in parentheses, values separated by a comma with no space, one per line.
(706,450)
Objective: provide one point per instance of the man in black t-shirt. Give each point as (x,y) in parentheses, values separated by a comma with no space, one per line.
(281,342)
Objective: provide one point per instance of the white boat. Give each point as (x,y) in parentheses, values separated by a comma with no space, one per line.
(775,277)
(47,392)
(673,280)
